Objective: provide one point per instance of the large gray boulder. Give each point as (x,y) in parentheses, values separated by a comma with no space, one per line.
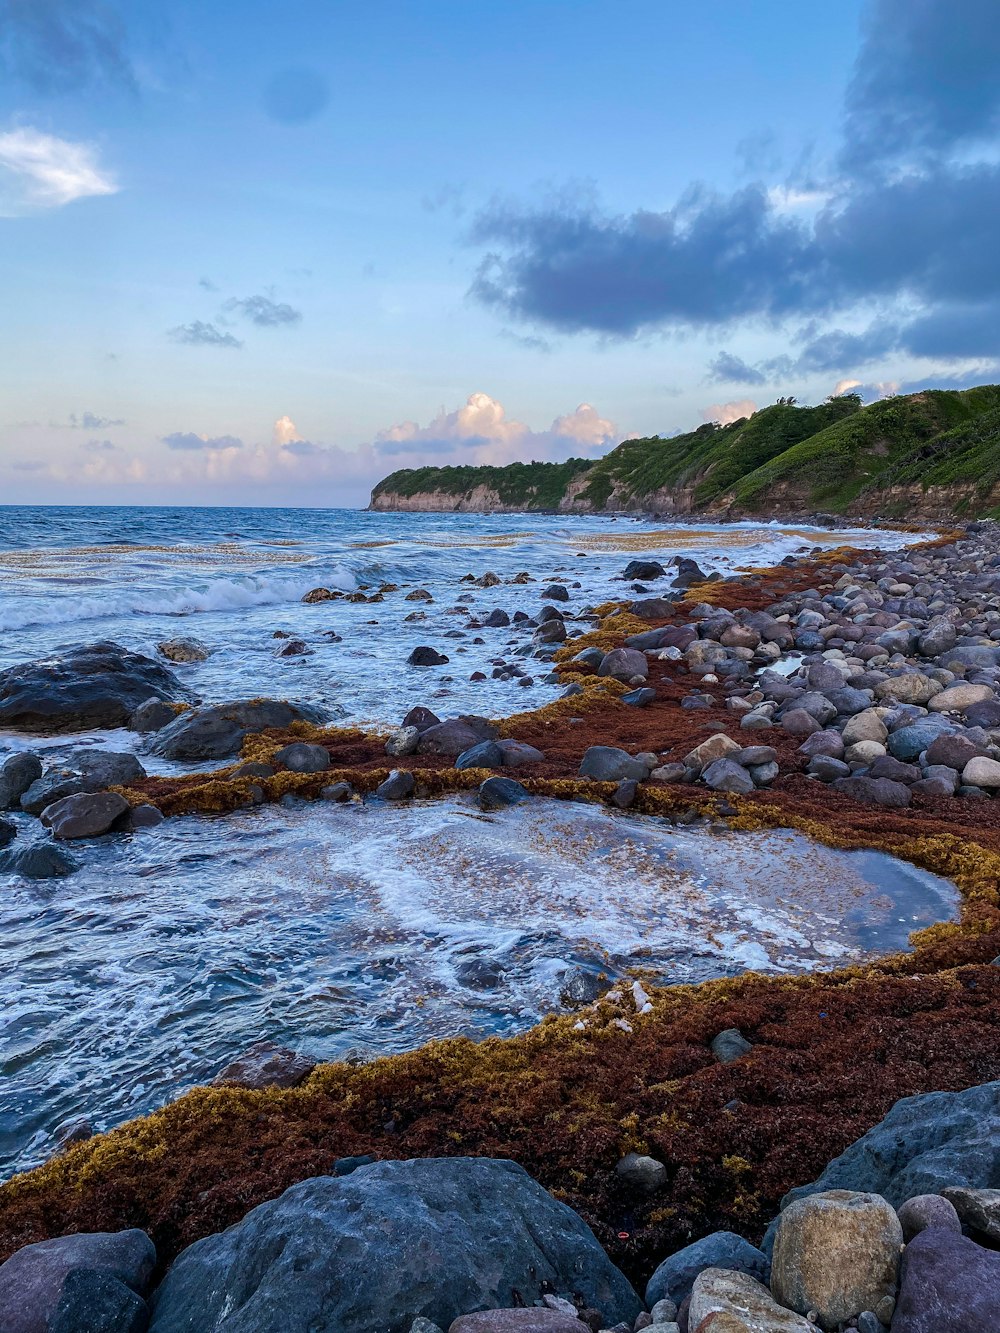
(676,1275)
(96,685)
(19,771)
(32,1280)
(372,1251)
(219,731)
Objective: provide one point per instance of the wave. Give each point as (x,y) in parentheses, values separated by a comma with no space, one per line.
(214,595)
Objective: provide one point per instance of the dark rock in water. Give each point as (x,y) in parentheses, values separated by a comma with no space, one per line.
(71,1132)
(582,986)
(421,718)
(549,613)
(948,1282)
(19,771)
(266,1065)
(8,831)
(32,1279)
(485,754)
(86,815)
(729,1046)
(605,763)
(151,716)
(643,569)
(675,1277)
(550,631)
(640,698)
(397,786)
(556,592)
(97,685)
(219,731)
(55,785)
(39,860)
(144,816)
(98,1303)
(294,648)
(479,973)
(496,620)
(496,793)
(101,769)
(389,1243)
(300,757)
(875,791)
(454,736)
(425,656)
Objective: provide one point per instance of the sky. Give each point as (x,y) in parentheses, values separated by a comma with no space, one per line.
(266,254)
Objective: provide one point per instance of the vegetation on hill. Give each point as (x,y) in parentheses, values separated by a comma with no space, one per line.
(837,456)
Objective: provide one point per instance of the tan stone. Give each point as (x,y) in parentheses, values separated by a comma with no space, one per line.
(955,698)
(836,1253)
(716,747)
(864,726)
(981,772)
(727,1302)
(864,752)
(911,688)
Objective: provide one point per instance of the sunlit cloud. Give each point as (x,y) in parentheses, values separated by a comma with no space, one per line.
(726,413)
(39,171)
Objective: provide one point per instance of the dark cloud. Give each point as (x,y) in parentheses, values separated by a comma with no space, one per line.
(200,334)
(296,95)
(90,421)
(263,312)
(188,440)
(302,448)
(906,224)
(421,446)
(59,46)
(207,285)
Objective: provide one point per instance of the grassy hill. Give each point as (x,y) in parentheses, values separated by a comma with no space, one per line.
(935,452)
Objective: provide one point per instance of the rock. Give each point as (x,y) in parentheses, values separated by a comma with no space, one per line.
(927,1210)
(101,769)
(183,650)
(439,1236)
(663,1311)
(496,620)
(981,772)
(719,746)
(479,973)
(8,832)
(397,786)
(424,656)
(732,1302)
(948,1283)
(797,722)
(19,771)
(32,1279)
(518,755)
(517,1321)
(71,1132)
(496,793)
(151,716)
(556,592)
(219,731)
(420,595)
(675,1276)
(887,767)
(605,763)
(53,786)
(316,595)
(977,1209)
(640,698)
(39,860)
(730,1045)
(866,726)
(338,792)
(875,791)
(421,718)
(957,698)
(625,793)
(952,750)
(143,816)
(756,754)
(910,688)
(550,631)
(302,758)
(909,743)
(644,1175)
(98,1303)
(453,737)
(83,688)
(484,754)
(86,815)
(653,608)
(727,775)
(643,569)
(828,769)
(404,741)
(266,1065)
(836,1252)
(827,743)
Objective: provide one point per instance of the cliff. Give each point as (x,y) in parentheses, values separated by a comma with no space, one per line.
(934,454)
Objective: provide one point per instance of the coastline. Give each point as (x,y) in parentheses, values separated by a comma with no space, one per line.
(841,1048)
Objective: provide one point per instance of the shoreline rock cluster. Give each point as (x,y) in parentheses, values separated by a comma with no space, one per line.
(900,1234)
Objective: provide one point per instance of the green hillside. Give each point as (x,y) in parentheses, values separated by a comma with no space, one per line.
(839,456)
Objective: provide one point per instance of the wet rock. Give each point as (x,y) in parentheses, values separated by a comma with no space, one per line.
(948,1282)
(640,698)
(727,775)
(556,592)
(442,1235)
(421,718)
(484,754)
(550,631)
(977,1209)
(397,786)
(98,1303)
(453,737)
(730,1302)
(927,1210)
(8,831)
(294,648)
(479,973)
(516,754)
(644,1175)
(517,1321)
(875,791)
(418,595)
(605,763)
(19,771)
(299,757)
(582,986)
(101,769)
(151,716)
(625,793)
(337,792)
(183,650)
(83,688)
(317,595)
(86,815)
(643,569)
(266,1065)
(39,860)
(722,1250)
(496,793)
(496,620)
(425,656)
(730,1045)
(219,731)
(143,816)
(71,1132)
(403,741)
(982,772)
(33,1278)
(836,1253)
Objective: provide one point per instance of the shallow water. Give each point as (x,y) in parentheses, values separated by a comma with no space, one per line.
(350,928)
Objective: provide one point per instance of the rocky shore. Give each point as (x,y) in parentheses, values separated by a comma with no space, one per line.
(660,1115)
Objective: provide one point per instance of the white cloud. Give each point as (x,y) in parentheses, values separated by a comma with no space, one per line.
(285,431)
(845,386)
(41,171)
(725,413)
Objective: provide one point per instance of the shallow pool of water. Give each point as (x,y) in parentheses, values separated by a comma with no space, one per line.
(372,928)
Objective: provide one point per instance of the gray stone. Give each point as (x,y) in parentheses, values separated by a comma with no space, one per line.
(977,1209)
(496,793)
(730,1045)
(948,1283)
(266,1065)
(39,860)
(52,786)
(533,1320)
(143,816)
(927,1210)
(454,736)
(300,757)
(8,831)
(219,731)
(86,815)
(338,792)
(908,743)
(675,1276)
(640,698)
(643,569)
(93,1302)
(625,793)
(875,791)
(644,1175)
(404,741)
(624,664)
(981,772)
(183,650)
(605,763)
(439,1236)
(421,718)
(101,769)
(397,786)
(727,775)
(952,750)
(31,1281)
(484,754)
(516,754)
(556,592)
(151,716)
(828,769)
(19,771)
(424,656)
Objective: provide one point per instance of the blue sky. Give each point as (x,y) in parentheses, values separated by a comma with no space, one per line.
(268,254)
